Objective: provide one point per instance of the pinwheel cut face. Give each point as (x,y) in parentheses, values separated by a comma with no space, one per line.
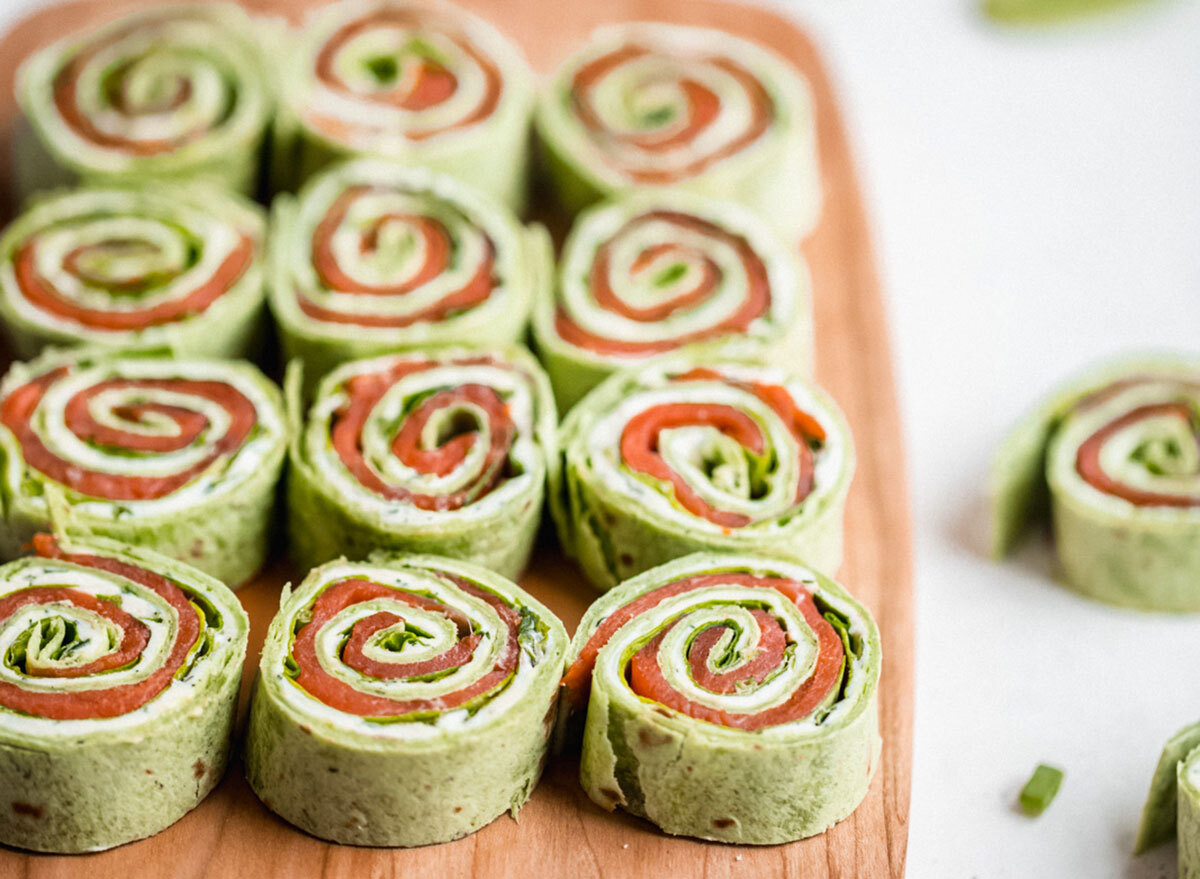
(726,450)
(410,438)
(657,112)
(736,649)
(1136,442)
(111,262)
(1191,772)
(89,639)
(408,652)
(380,248)
(397,73)
(154,84)
(141,436)
(665,278)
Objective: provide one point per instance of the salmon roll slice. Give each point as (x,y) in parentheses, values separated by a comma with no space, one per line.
(693,452)
(653,105)
(1188,809)
(177,456)
(177,91)
(119,674)
(655,271)
(727,697)
(425,83)
(439,451)
(1112,458)
(179,266)
(1162,813)
(375,257)
(403,701)
(1172,809)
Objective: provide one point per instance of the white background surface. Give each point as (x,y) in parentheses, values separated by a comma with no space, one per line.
(1036,204)
(1035,197)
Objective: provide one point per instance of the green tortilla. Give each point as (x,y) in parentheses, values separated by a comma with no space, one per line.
(424,776)
(617,521)
(1142,555)
(202,96)
(478,131)
(1159,814)
(641,74)
(93,782)
(332,512)
(652,251)
(219,519)
(187,257)
(380,217)
(697,777)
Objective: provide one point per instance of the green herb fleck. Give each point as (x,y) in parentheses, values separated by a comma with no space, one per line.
(670,274)
(383,67)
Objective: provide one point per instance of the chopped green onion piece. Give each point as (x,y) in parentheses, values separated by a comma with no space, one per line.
(1040,790)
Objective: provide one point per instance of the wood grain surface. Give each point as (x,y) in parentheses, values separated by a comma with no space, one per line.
(560,832)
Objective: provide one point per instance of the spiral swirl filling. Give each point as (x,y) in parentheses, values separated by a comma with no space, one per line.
(662,114)
(96,637)
(149,434)
(386,257)
(736,649)
(110,270)
(664,279)
(407,650)
(435,435)
(728,450)
(398,71)
(1147,450)
(149,87)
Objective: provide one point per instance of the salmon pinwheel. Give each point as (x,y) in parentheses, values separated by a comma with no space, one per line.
(440,451)
(177,456)
(727,697)
(403,701)
(1172,807)
(119,673)
(422,82)
(1189,816)
(1113,457)
(375,257)
(654,271)
(652,105)
(173,266)
(177,91)
(691,453)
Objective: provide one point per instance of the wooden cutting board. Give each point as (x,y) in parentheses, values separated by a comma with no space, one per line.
(560,832)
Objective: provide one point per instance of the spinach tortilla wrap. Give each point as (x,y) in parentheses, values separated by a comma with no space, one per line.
(1189,816)
(177,456)
(119,674)
(693,452)
(1113,457)
(177,91)
(728,697)
(651,272)
(403,701)
(425,83)
(374,257)
(443,450)
(127,266)
(1172,807)
(654,105)
(1159,815)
